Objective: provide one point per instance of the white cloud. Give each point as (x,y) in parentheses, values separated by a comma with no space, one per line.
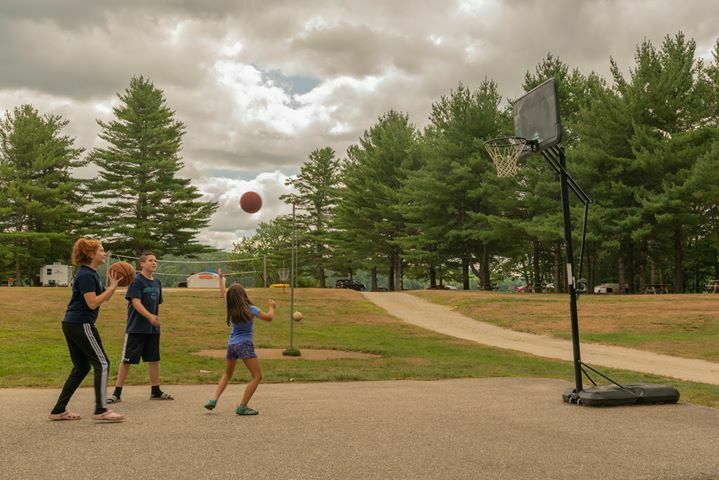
(227,69)
(231,223)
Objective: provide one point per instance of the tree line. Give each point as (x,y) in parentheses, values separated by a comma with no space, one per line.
(136,203)
(426,203)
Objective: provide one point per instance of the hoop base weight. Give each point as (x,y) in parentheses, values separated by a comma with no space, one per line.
(612,395)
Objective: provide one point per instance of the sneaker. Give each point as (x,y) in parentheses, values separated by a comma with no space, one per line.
(211,404)
(113,399)
(245,411)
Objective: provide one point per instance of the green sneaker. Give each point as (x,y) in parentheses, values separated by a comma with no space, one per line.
(211,404)
(245,411)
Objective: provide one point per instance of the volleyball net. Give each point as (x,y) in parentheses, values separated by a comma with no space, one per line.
(202,273)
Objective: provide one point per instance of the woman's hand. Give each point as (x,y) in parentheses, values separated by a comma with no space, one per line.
(114,279)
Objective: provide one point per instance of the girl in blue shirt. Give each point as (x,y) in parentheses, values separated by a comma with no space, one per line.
(240,315)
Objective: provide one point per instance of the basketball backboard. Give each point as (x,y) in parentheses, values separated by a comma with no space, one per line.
(536,116)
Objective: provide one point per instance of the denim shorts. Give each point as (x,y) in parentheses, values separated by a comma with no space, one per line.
(237,351)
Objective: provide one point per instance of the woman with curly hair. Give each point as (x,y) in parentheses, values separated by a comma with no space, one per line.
(83,339)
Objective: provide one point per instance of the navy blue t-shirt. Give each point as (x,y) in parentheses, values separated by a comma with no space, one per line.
(86,280)
(150,294)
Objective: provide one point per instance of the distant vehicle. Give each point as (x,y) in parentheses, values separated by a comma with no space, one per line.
(610,288)
(349,283)
(522,289)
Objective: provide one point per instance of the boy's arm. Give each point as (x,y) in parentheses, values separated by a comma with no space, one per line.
(140,308)
(270,312)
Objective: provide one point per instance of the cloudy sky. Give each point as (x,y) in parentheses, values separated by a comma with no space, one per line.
(260,84)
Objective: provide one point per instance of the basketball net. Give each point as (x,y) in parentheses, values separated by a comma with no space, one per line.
(505,152)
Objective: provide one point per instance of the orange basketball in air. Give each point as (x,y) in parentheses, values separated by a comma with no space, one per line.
(124,272)
(251,202)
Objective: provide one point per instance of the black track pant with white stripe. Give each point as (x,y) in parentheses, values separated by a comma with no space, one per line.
(83,341)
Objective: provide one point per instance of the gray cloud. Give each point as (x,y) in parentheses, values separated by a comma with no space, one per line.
(261,84)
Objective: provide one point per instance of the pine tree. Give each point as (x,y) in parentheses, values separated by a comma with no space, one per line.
(454,200)
(640,143)
(40,201)
(144,205)
(368,220)
(542,216)
(318,192)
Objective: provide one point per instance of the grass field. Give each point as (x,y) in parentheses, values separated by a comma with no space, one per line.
(34,353)
(680,325)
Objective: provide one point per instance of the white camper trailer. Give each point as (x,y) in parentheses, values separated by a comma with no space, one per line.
(56,275)
(203,280)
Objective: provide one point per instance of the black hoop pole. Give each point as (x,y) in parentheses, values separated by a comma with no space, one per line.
(552,156)
(571,282)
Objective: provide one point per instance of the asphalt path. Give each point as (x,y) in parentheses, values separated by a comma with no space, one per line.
(450,429)
(442,319)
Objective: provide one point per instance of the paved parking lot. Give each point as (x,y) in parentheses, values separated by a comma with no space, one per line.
(450,429)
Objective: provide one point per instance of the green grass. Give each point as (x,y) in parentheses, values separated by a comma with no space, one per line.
(680,325)
(34,353)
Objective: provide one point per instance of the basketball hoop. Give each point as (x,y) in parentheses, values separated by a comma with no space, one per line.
(505,152)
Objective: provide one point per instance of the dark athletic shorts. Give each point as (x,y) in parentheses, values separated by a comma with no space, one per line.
(236,351)
(145,345)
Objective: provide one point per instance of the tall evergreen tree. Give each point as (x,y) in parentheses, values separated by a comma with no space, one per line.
(454,200)
(318,192)
(40,201)
(702,190)
(542,219)
(369,223)
(640,142)
(144,205)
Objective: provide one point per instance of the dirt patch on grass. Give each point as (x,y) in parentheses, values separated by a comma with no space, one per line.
(307,354)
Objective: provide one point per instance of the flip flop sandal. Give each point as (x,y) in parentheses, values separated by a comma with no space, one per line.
(246,411)
(163,396)
(64,416)
(211,404)
(113,399)
(109,417)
